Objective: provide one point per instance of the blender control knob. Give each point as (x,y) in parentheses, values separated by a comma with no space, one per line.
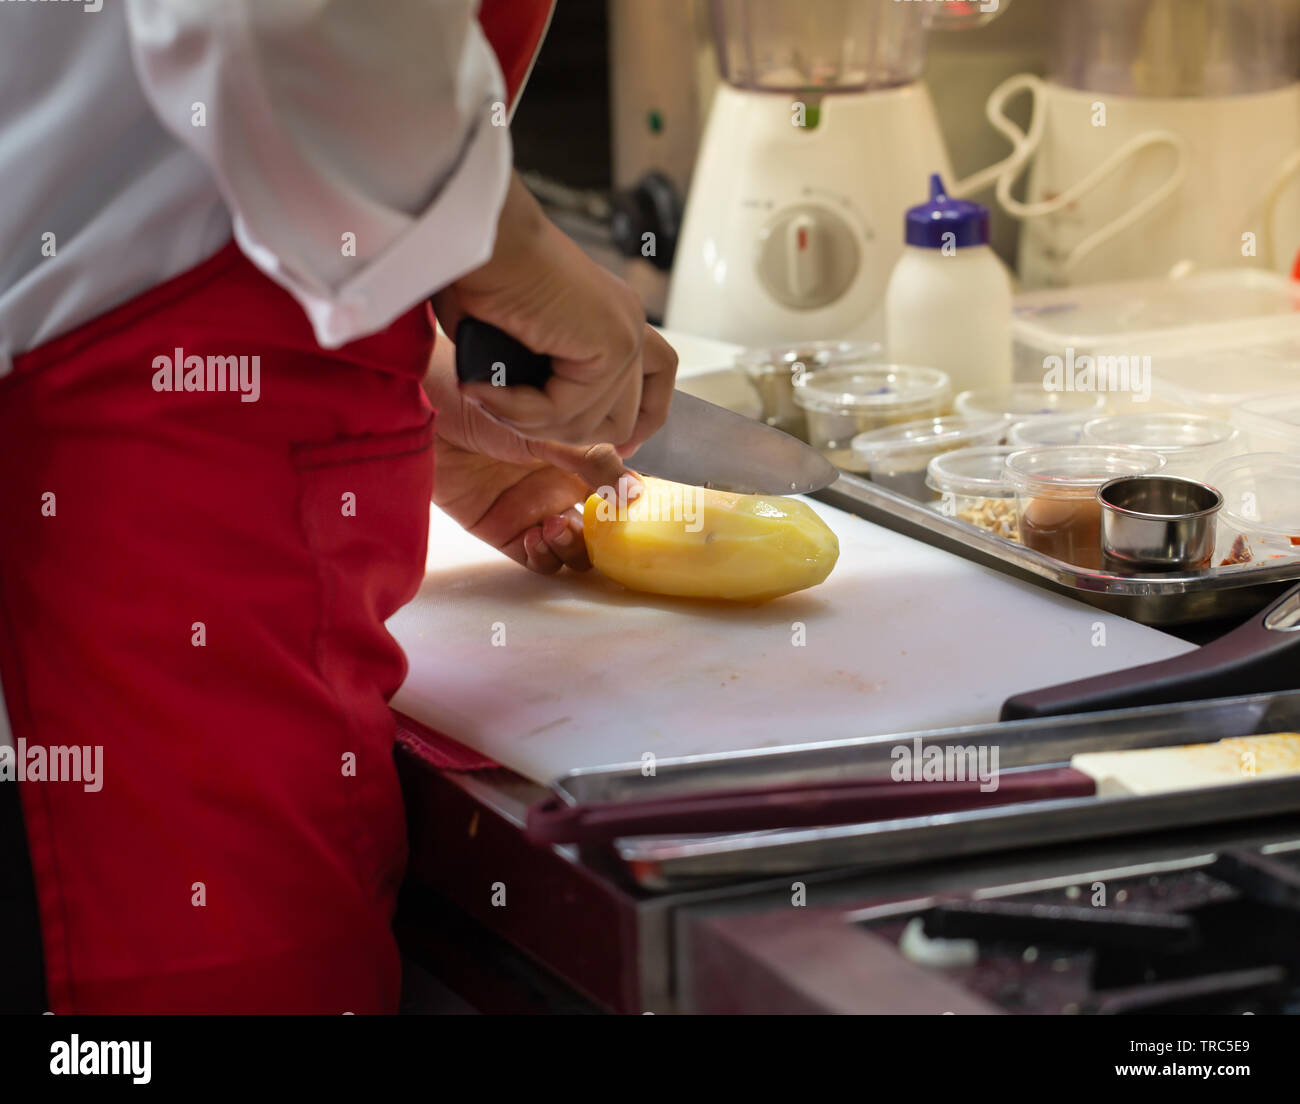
(646,218)
(807,256)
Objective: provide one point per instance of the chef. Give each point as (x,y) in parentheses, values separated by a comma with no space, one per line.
(222,224)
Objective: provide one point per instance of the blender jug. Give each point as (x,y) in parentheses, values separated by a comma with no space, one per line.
(1175,48)
(820,136)
(818,45)
(832,45)
(1166,134)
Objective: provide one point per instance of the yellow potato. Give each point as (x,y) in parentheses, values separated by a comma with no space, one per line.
(697,543)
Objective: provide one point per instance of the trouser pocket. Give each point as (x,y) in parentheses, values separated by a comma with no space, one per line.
(364,510)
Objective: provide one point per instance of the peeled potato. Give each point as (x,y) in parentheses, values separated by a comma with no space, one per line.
(697,543)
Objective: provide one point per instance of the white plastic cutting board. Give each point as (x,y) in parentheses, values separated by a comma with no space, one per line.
(902,636)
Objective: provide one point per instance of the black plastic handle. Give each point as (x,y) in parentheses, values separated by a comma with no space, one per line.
(485,354)
(1252,659)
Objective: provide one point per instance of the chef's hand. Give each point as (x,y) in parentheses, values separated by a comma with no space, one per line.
(513,492)
(613,375)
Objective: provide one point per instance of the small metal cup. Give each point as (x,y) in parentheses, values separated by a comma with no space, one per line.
(1158,523)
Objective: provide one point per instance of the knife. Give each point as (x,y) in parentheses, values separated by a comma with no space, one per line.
(1261,656)
(1135,772)
(699,443)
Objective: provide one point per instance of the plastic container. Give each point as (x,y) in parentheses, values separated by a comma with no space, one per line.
(1056,496)
(948,303)
(1261,507)
(1201,314)
(1024,400)
(1190,443)
(897,457)
(1215,377)
(1270,423)
(844,400)
(1047,429)
(972,486)
(772,372)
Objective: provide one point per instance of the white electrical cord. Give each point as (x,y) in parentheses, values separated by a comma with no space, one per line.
(1025,144)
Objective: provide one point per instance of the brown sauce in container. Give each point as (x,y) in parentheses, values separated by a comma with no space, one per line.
(1068,529)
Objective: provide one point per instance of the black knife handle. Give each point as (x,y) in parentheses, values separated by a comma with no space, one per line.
(485,354)
(1252,659)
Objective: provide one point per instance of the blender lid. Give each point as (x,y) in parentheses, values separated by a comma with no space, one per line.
(928,224)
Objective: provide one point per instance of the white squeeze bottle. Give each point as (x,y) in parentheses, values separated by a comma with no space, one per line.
(948,304)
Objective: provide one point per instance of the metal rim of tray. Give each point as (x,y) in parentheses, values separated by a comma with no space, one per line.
(1156,599)
(670,862)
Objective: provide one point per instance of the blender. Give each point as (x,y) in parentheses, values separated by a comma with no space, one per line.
(820,136)
(1166,134)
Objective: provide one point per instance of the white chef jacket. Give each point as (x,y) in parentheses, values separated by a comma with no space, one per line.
(354,148)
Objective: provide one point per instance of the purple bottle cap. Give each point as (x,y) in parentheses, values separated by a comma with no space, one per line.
(929,224)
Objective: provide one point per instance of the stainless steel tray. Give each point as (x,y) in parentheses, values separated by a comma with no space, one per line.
(1175,599)
(677,861)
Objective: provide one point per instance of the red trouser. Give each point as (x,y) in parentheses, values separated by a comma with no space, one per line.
(204,597)
(205,601)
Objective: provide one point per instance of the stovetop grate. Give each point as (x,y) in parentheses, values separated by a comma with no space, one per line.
(1223,936)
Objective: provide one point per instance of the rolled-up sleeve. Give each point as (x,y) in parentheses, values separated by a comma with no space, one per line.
(360,144)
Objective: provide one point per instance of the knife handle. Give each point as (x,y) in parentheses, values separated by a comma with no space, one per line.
(485,354)
(1262,656)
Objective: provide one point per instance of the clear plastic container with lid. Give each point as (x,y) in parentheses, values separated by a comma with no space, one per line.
(1056,495)
(1048,429)
(842,401)
(972,486)
(897,457)
(1270,423)
(1198,314)
(1215,376)
(772,372)
(1024,400)
(1190,443)
(1261,507)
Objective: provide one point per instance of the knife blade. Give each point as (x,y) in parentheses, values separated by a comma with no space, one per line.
(700,442)
(712,446)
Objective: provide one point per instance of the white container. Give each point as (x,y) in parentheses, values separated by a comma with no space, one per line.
(948,303)
(1214,377)
(1198,315)
(1270,423)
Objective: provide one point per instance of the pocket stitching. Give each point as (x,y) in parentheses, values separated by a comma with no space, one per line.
(360,448)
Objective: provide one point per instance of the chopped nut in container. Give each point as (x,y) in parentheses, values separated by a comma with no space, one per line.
(998,515)
(972,487)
